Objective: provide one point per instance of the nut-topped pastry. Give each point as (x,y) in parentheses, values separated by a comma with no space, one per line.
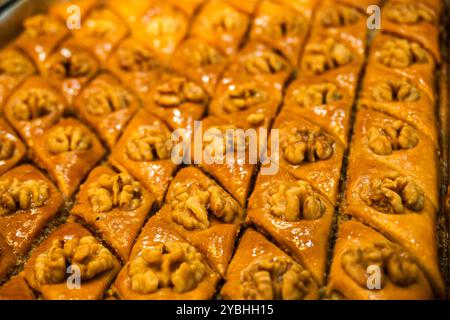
(12,149)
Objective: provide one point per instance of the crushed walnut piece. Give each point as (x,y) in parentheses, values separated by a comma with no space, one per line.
(275,278)
(392,195)
(135,57)
(22,195)
(149,143)
(394,263)
(401,53)
(327,55)
(103,99)
(306,145)
(392,137)
(115,191)
(86,253)
(74,64)
(13,63)
(34,103)
(316,94)
(7,147)
(339,16)
(193,203)
(42,26)
(175,265)
(264,63)
(256,118)
(68,139)
(201,55)
(176,91)
(409,13)
(241,97)
(395,90)
(295,202)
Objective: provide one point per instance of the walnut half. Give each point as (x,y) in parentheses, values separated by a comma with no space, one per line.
(71,64)
(7,147)
(394,263)
(275,278)
(409,13)
(42,26)
(395,90)
(392,137)
(176,91)
(135,57)
(103,99)
(241,97)
(199,54)
(149,143)
(392,195)
(111,191)
(264,63)
(327,55)
(401,53)
(305,145)
(295,202)
(193,203)
(68,139)
(34,103)
(86,253)
(173,265)
(13,63)
(316,94)
(22,195)
(339,16)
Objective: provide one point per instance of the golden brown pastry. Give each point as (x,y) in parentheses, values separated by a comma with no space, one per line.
(189,7)
(164,266)
(16,289)
(221,25)
(364,260)
(12,150)
(297,215)
(7,257)
(282,27)
(15,67)
(101,31)
(71,246)
(176,100)
(68,151)
(259,270)
(28,202)
(116,205)
(70,67)
(248,6)
(107,105)
(361,5)
(34,107)
(62,9)
(145,151)
(201,62)
(130,10)
(204,214)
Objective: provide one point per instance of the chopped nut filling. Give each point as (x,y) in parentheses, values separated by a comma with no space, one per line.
(305,145)
(287,24)
(317,94)
(401,53)
(177,91)
(135,57)
(86,253)
(115,191)
(241,97)
(149,143)
(34,103)
(201,55)
(264,63)
(7,148)
(393,262)
(76,64)
(392,195)
(14,64)
(392,137)
(395,90)
(340,16)
(328,55)
(42,26)
(275,278)
(295,202)
(194,202)
(103,99)
(173,265)
(409,13)
(22,195)
(67,139)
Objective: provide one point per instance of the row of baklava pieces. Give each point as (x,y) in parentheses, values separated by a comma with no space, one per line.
(392,175)
(96,200)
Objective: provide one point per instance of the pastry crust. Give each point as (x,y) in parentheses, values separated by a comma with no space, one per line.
(152,170)
(7,257)
(16,289)
(248,6)
(352,235)
(130,11)
(21,226)
(254,248)
(12,150)
(304,238)
(156,233)
(92,289)
(68,151)
(107,105)
(217,240)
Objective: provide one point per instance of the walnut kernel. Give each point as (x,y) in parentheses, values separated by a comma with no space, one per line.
(401,53)
(395,90)
(34,103)
(241,97)
(68,139)
(149,143)
(410,13)
(176,91)
(22,195)
(317,94)
(392,137)
(328,55)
